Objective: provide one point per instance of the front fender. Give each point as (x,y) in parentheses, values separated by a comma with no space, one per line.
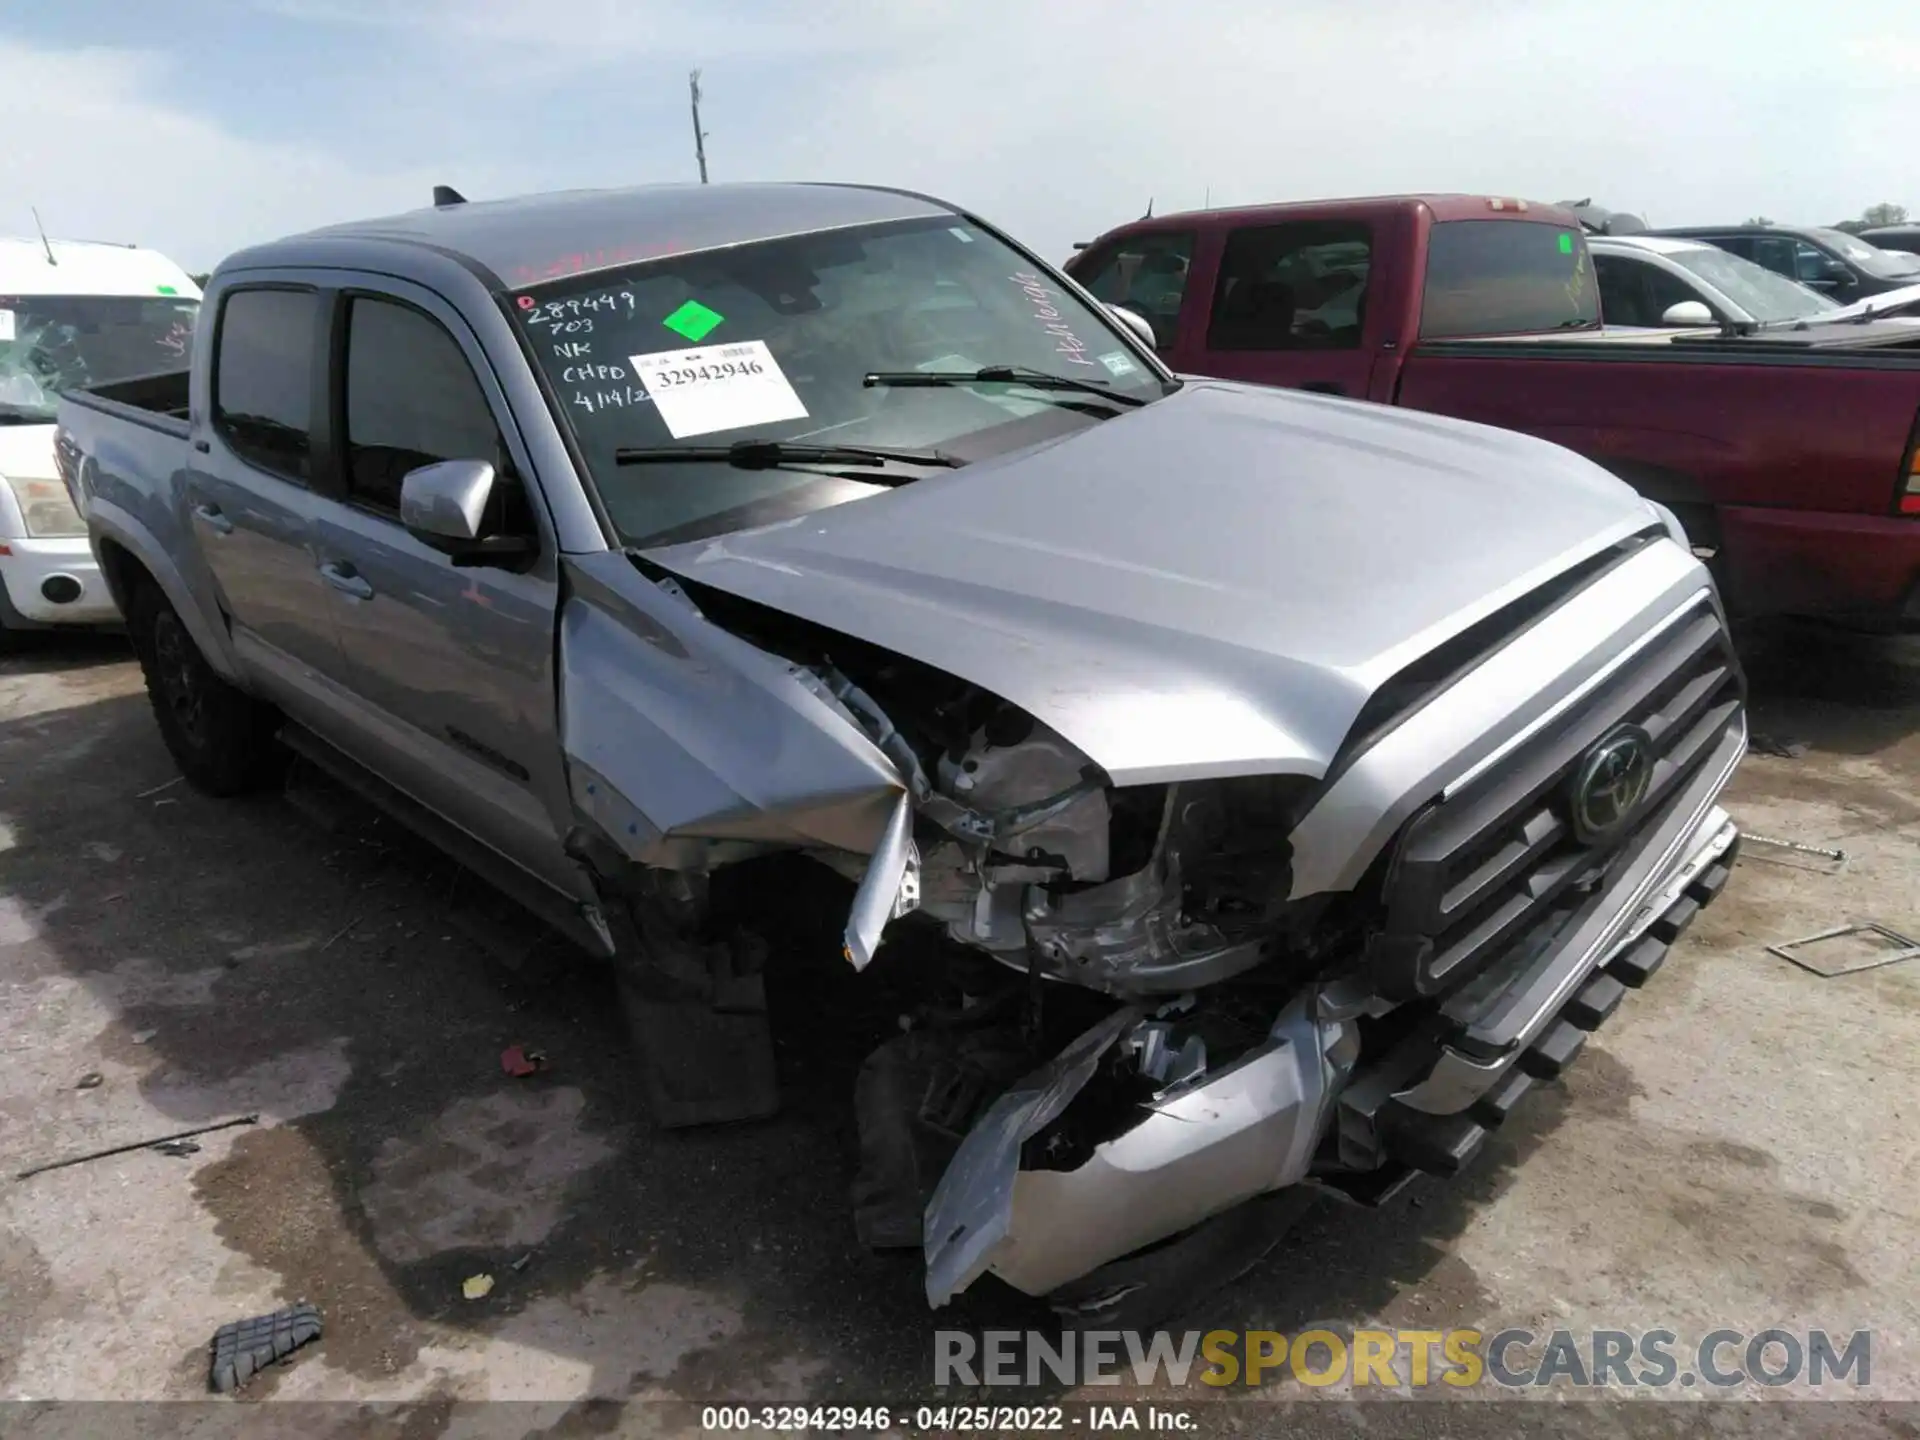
(684,743)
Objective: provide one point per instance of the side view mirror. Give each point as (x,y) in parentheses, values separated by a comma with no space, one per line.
(1688,313)
(1135,323)
(444,505)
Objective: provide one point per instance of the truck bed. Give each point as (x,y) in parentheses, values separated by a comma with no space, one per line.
(158,402)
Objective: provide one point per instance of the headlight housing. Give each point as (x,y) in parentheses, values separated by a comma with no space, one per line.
(46,508)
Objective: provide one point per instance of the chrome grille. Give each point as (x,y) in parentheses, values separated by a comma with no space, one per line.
(1488,870)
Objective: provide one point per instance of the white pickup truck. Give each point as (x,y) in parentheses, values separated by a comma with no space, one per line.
(1263,789)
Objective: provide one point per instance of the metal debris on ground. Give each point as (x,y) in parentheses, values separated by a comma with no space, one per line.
(1882,947)
(141,1037)
(148,1144)
(1775,745)
(521,1061)
(244,1348)
(1837,859)
(92,1080)
(477,1287)
(341,933)
(158,788)
(177,1148)
(521,1263)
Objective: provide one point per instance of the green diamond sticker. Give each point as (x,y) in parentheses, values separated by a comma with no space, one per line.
(1566,247)
(693,320)
(168,290)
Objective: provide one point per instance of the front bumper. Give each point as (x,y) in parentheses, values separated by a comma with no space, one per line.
(1259,1124)
(35,575)
(1430,1103)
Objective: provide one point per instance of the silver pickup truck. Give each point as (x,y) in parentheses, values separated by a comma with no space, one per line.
(1263,790)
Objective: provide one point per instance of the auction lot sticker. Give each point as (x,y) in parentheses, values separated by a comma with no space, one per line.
(717,387)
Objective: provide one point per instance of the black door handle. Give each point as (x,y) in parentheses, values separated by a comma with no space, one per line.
(202,446)
(1325,387)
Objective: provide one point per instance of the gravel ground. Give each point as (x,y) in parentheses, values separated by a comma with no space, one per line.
(1737,1149)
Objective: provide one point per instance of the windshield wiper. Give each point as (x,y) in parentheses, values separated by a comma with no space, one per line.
(769,454)
(1001,375)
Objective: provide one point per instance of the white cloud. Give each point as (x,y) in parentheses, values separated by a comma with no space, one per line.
(1062,118)
(96,140)
(1056,119)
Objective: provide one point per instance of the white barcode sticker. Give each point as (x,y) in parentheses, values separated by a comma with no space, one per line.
(6,325)
(717,387)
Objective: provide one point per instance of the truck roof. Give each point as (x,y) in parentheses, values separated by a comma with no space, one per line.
(1446,206)
(87,267)
(532,238)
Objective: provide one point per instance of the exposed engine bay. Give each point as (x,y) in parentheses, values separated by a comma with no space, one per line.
(1135,946)
(1171,899)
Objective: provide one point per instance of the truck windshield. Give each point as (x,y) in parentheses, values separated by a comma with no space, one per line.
(774,341)
(1767,297)
(50,343)
(1507,277)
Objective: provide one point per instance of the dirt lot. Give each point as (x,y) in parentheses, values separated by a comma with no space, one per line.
(1737,1149)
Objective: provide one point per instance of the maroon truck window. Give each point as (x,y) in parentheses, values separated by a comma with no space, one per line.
(1292,287)
(1506,277)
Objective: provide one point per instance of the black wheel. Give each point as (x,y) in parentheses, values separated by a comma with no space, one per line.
(221,738)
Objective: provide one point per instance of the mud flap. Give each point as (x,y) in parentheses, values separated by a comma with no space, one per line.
(916,1096)
(701,1065)
(698,1017)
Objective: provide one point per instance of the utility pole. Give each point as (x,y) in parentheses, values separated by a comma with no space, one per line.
(699,135)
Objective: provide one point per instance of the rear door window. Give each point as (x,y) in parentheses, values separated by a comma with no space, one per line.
(263,378)
(1292,287)
(1146,274)
(1506,277)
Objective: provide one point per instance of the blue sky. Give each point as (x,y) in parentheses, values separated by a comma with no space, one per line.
(198,126)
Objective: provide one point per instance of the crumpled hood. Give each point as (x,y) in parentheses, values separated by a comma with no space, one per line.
(1210,585)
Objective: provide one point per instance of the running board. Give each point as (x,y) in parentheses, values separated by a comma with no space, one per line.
(544,902)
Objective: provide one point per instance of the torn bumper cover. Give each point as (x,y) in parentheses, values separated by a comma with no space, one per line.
(1257,1125)
(1201,1149)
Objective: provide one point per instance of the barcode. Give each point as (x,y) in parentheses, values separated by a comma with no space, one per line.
(737,352)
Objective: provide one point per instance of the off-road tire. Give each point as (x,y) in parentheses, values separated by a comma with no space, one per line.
(219,736)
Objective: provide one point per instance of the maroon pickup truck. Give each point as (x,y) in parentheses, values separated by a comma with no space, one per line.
(1789,453)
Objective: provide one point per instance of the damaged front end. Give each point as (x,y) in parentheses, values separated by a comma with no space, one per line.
(1208,1072)
(1145,1024)
(1036,901)
(1029,1200)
